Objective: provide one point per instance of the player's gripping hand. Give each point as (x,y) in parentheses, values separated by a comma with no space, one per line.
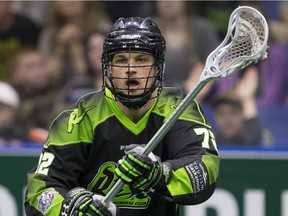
(143,174)
(80,202)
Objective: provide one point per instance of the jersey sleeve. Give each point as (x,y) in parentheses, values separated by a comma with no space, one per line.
(60,165)
(193,157)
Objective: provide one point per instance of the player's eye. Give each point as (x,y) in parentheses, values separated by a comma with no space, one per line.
(141,59)
(144,60)
(120,60)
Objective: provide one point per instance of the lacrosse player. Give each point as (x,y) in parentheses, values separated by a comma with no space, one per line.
(100,140)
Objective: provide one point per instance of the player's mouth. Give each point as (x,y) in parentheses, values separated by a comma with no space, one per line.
(132,84)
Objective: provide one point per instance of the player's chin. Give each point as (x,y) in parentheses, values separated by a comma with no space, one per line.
(134,92)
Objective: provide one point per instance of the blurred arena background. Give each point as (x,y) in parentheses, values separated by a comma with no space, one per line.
(44,78)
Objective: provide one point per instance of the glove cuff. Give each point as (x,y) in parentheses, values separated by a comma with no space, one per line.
(166,171)
(163,178)
(71,198)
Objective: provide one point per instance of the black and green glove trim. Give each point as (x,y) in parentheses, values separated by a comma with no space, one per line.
(142,174)
(80,202)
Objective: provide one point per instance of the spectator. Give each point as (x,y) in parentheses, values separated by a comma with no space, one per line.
(94,49)
(218,13)
(229,83)
(62,39)
(75,88)
(232,127)
(35,10)
(84,83)
(274,75)
(236,115)
(190,39)
(116,9)
(16,31)
(10,132)
(35,87)
(274,70)
(279,27)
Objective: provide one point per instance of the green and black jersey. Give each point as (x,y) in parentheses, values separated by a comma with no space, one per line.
(85,143)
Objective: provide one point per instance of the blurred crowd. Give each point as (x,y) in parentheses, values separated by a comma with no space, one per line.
(50,55)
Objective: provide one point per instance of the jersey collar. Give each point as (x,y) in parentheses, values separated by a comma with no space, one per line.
(135,128)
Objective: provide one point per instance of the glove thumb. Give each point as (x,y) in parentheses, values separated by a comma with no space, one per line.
(111,206)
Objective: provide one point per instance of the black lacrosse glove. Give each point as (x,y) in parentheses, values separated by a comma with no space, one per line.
(80,202)
(143,174)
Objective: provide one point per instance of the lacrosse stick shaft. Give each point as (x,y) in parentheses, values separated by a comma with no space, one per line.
(173,118)
(247,43)
(160,133)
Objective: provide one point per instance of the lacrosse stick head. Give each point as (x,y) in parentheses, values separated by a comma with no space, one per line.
(245,43)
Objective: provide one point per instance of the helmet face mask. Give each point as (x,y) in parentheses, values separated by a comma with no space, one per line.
(136,48)
(132,77)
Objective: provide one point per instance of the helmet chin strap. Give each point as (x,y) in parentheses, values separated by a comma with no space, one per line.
(134,102)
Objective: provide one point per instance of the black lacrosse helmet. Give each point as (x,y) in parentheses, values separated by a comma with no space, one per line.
(130,34)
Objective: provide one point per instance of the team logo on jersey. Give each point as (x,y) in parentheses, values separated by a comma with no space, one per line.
(173,106)
(45,200)
(105,179)
(76,118)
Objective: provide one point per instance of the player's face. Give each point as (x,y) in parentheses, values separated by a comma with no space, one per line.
(229,120)
(133,72)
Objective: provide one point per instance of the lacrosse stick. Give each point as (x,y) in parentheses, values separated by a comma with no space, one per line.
(244,44)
